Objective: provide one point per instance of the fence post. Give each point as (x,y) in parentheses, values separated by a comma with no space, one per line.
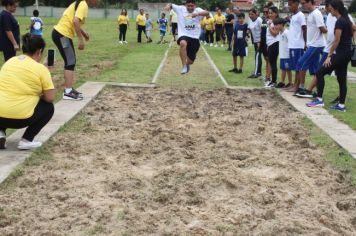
(51,11)
(24,11)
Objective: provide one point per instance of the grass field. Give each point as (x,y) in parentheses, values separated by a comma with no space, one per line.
(189,140)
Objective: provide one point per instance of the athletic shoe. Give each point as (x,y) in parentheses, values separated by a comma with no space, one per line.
(185,69)
(211,45)
(239,71)
(234,70)
(280,85)
(2,140)
(222,45)
(298,91)
(77,92)
(27,145)
(338,108)
(216,45)
(125,42)
(287,86)
(253,76)
(205,43)
(72,95)
(120,42)
(267,82)
(336,100)
(304,94)
(270,85)
(315,103)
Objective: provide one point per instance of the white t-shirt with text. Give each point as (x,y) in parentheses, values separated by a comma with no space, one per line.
(187,25)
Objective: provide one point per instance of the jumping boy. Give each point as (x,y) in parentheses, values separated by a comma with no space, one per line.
(163,22)
(239,42)
(36,24)
(189,29)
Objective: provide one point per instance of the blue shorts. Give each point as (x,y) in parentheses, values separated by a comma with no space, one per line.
(162,33)
(285,64)
(322,60)
(294,56)
(310,60)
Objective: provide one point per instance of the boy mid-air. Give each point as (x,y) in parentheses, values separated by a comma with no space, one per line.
(189,29)
(163,23)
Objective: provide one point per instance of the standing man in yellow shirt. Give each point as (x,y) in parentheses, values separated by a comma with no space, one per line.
(219,27)
(26,93)
(123,24)
(141,25)
(63,33)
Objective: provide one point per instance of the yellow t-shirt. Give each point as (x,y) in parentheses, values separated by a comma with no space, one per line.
(141,20)
(219,19)
(123,20)
(22,82)
(209,23)
(65,25)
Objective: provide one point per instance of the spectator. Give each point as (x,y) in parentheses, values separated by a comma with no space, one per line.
(26,93)
(123,21)
(9,30)
(140,25)
(338,58)
(62,35)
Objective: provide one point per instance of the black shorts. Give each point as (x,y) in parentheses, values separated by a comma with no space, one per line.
(66,49)
(174,28)
(193,46)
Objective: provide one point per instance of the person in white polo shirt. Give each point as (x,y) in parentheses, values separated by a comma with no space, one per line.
(255,27)
(189,29)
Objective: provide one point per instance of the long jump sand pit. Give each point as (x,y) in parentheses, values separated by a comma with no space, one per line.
(181,162)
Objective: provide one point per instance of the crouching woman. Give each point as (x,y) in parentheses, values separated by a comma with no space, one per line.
(26,93)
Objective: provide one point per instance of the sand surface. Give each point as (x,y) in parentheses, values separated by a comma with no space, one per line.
(181,162)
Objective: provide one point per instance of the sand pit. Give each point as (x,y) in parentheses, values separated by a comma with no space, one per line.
(182,162)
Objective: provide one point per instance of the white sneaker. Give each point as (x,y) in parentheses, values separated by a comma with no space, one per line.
(222,45)
(211,45)
(27,145)
(125,42)
(216,45)
(120,42)
(185,69)
(2,140)
(204,43)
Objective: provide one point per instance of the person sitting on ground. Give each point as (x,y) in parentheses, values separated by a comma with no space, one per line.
(163,23)
(26,93)
(189,29)
(36,26)
(239,43)
(148,28)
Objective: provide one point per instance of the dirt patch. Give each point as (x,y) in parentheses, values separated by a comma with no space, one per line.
(182,162)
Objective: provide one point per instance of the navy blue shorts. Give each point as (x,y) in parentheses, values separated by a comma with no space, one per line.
(285,64)
(162,33)
(294,56)
(310,60)
(239,51)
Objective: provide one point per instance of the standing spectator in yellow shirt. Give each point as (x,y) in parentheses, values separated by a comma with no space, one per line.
(209,30)
(141,25)
(62,35)
(26,93)
(123,25)
(219,27)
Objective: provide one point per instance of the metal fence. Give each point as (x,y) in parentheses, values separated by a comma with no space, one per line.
(57,12)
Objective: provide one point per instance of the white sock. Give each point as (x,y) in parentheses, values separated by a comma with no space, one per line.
(67,90)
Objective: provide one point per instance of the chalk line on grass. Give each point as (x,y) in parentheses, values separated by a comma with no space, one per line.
(160,67)
(215,68)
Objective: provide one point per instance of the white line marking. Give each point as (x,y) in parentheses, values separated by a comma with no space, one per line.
(159,69)
(215,68)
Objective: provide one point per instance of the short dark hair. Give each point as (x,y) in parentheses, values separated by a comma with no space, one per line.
(163,14)
(6,3)
(241,15)
(312,1)
(327,2)
(279,21)
(36,13)
(32,43)
(253,10)
(294,1)
(190,1)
